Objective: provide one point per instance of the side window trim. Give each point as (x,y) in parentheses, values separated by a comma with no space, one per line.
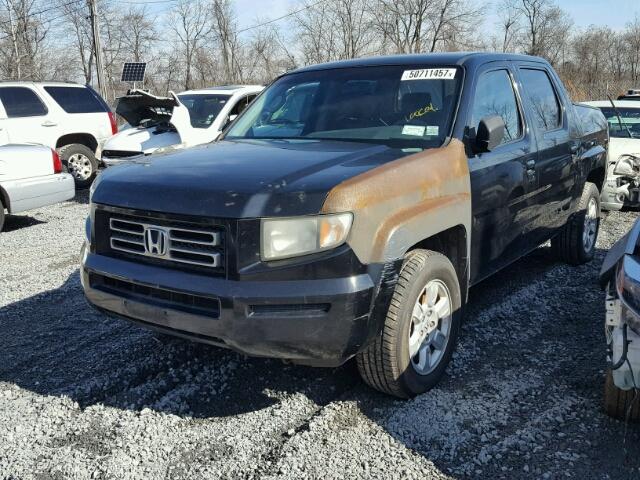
(561,106)
(38,97)
(516,96)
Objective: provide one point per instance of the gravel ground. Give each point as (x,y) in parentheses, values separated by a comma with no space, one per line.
(86,396)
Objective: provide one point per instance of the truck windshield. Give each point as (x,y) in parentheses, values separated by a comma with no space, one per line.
(400,106)
(630,118)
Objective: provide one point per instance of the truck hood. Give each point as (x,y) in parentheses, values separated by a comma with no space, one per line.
(240,179)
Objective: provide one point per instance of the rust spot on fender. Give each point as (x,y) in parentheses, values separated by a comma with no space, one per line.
(414,195)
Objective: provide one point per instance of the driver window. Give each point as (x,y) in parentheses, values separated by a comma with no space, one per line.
(495,96)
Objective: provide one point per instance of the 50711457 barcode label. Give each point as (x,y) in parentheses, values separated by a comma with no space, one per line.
(429,74)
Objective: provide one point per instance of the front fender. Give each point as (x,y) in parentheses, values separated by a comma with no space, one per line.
(403,202)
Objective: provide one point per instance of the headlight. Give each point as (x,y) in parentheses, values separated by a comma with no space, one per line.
(94,185)
(291,237)
(628,290)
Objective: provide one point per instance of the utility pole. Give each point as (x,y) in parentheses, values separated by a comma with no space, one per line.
(97,47)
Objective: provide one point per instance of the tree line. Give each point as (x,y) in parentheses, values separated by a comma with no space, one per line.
(198,43)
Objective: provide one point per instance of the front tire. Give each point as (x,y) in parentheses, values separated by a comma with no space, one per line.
(80,162)
(576,243)
(1,216)
(420,331)
(620,403)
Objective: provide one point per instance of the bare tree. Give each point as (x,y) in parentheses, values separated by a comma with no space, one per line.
(510,16)
(23,32)
(191,23)
(415,26)
(225,28)
(547,28)
(335,30)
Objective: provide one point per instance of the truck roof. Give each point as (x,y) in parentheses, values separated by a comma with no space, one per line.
(454,58)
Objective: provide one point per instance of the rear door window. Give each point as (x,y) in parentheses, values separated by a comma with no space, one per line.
(75,99)
(495,96)
(545,108)
(21,102)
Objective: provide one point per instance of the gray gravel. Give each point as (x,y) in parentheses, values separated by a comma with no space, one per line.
(86,396)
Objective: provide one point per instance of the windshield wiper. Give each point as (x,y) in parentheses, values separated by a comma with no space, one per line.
(615,109)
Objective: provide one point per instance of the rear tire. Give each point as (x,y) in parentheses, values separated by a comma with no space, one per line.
(411,353)
(617,402)
(80,162)
(576,242)
(1,215)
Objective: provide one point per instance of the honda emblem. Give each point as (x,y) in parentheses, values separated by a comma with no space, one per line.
(155,241)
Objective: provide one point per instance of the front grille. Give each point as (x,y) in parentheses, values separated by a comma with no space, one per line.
(171,299)
(161,241)
(194,247)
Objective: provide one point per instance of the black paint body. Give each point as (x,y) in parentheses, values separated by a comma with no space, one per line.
(321,309)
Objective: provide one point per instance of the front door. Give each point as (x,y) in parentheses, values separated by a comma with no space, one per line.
(501,180)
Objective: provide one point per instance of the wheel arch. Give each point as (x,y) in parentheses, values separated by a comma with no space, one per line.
(85,139)
(597,176)
(452,243)
(4,199)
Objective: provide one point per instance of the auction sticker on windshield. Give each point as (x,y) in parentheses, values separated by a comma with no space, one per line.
(429,73)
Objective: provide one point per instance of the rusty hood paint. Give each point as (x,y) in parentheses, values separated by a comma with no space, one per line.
(241,179)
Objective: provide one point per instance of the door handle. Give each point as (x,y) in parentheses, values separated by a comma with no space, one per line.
(531,164)
(49,124)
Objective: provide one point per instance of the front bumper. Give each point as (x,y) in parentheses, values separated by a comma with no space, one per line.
(316,322)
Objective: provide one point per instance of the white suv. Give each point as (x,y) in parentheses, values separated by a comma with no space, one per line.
(69,117)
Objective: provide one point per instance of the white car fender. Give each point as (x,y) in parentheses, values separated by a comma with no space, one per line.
(189,135)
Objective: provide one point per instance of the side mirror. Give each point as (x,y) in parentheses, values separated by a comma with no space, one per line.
(489,134)
(230,119)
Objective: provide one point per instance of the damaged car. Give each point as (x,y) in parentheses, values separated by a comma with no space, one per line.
(622,183)
(347,212)
(620,277)
(161,124)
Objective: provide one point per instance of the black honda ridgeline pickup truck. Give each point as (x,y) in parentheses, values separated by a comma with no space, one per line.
(348,210)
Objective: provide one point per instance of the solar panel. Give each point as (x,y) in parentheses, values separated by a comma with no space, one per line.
(133,71)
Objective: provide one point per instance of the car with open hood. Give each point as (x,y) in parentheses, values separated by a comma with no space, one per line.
(622,182)
(348,210)
(620,278)
(161,124)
